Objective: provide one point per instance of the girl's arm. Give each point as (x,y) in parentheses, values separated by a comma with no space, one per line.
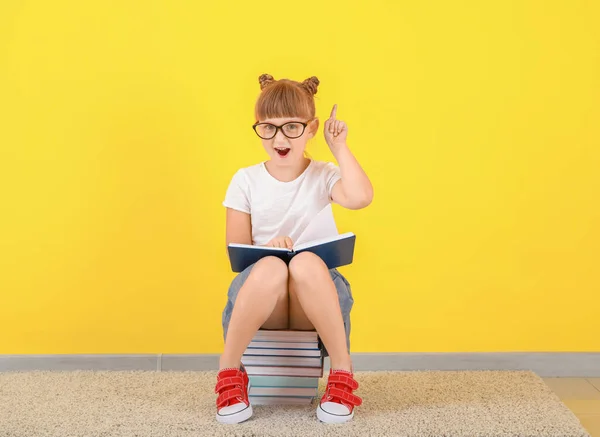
(354,190)
(237,227)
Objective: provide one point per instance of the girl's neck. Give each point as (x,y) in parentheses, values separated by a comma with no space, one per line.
(289,172)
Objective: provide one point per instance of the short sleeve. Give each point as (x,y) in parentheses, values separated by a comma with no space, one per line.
(238,196)
(332,175)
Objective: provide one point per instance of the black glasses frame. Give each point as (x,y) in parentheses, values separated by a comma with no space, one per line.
(255,125)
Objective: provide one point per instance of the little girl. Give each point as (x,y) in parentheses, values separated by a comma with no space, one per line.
(270,204)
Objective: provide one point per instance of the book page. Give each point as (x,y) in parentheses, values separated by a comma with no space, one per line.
(314,243)
(322,226)
(254,247)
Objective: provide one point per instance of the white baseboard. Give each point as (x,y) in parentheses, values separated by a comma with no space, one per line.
(545,364)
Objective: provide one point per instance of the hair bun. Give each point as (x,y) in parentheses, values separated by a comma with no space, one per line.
(265,80)
(311,84)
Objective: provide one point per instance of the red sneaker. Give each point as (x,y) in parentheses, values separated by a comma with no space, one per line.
(233,405)
(338,402)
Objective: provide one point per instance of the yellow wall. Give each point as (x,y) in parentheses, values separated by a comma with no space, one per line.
(121,124)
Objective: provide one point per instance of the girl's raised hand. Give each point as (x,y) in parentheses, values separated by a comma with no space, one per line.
(335,130)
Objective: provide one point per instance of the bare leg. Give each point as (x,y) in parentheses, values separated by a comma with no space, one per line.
(298,319)
(279,318)
(264,291)
(311,286)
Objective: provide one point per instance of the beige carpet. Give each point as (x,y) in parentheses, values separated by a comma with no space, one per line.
(85,403)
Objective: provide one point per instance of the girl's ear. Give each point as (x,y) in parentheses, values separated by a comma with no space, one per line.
(313,127)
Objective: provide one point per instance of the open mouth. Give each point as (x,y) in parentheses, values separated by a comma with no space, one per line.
(283,151)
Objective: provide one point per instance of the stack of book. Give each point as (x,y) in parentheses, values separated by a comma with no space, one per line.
(283,367)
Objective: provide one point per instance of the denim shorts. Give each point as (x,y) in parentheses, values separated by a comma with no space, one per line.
(341,285)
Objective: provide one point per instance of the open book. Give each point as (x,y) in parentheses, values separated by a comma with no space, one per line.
(320,237)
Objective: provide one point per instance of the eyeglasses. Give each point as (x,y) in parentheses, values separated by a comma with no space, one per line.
(291,129)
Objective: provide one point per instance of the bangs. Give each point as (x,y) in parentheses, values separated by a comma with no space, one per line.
(282,100)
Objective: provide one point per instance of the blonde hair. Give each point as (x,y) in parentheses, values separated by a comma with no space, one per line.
(285,98)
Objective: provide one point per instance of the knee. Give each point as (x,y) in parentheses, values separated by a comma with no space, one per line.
(306,266)
(270,273)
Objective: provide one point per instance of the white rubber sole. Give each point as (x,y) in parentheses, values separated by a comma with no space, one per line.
(238,417)
(326,417)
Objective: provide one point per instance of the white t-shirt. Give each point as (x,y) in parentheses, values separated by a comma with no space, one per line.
(279,209)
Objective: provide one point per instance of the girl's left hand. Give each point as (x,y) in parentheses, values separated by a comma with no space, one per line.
(335,131)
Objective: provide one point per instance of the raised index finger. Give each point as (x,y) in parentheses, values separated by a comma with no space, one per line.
(333,111)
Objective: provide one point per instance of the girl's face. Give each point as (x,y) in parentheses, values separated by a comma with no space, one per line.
(284,139)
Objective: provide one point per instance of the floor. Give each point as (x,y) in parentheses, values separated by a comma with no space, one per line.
(582,396)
